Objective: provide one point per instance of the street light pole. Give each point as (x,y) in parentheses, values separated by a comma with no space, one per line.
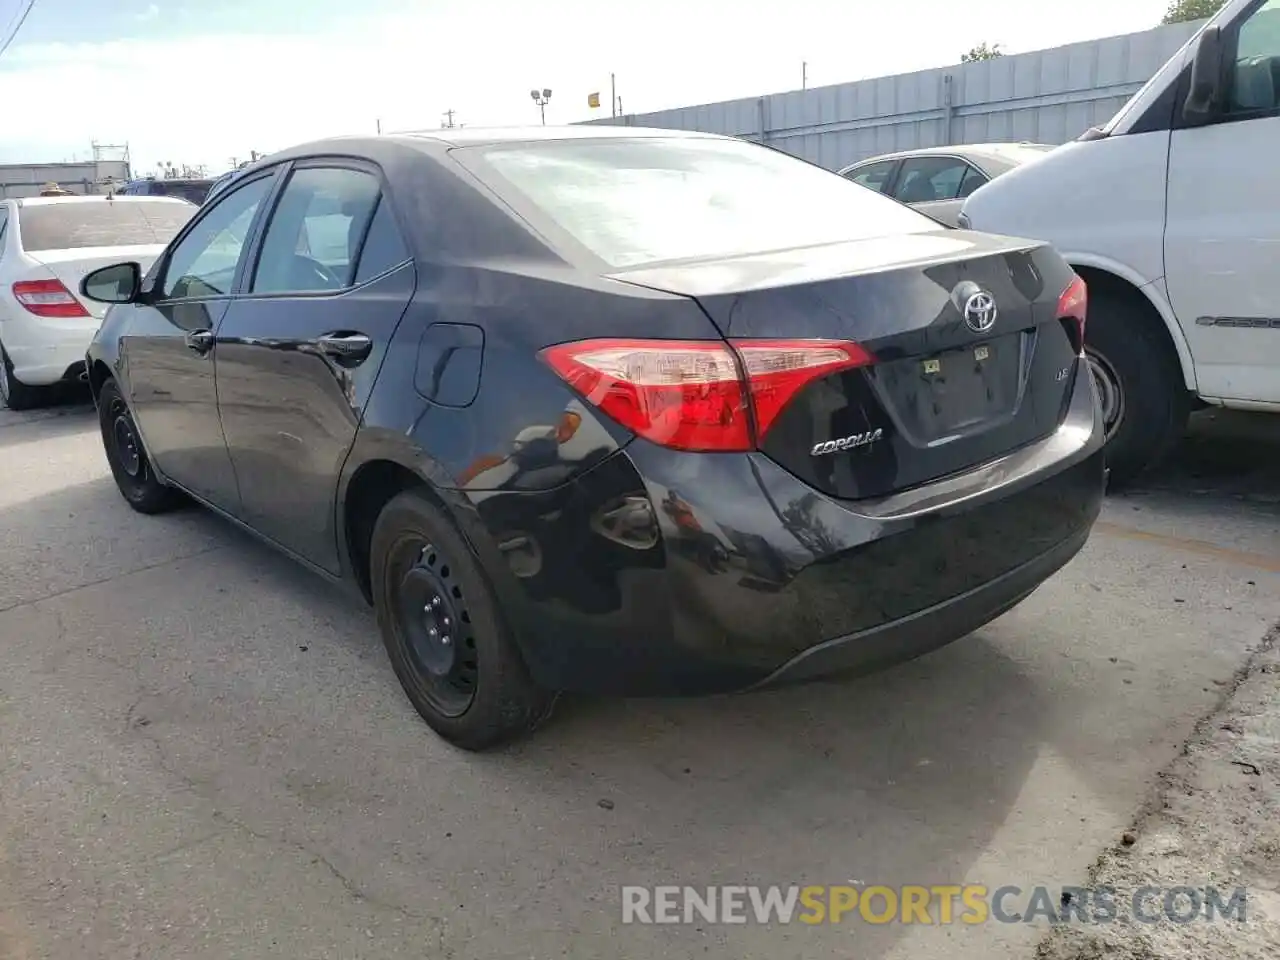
(541,98)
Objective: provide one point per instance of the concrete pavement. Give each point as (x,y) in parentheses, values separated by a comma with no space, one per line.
(203,753)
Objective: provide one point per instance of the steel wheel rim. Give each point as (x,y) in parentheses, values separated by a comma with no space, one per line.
(124,442)
(1110,392)
(431,615)
(4,379)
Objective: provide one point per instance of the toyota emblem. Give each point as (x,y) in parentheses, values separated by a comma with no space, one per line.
(980,312)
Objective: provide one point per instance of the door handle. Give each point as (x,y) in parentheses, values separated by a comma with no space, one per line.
(201,341)
(346,348)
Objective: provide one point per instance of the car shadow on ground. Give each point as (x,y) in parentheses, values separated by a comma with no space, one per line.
(70,412)
(907,776)
(1226,453)
(903,777)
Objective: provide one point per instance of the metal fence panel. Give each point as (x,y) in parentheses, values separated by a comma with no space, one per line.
(1048,96)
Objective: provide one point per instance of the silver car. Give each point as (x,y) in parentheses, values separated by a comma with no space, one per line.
(936,180)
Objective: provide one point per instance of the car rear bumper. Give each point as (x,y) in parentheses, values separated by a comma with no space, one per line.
(931,628)
(751,577)
(47,351)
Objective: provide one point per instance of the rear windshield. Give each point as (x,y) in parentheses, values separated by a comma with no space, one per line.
(71,226)
(646,200)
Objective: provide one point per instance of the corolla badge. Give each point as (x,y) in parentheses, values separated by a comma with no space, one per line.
(847,443)
(980,312)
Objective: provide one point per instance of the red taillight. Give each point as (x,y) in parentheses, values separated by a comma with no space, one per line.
(48,298)
(698,395)
(1074,305)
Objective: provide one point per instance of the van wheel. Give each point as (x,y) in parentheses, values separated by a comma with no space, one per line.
(1145,403)
(13,393)
(448,643)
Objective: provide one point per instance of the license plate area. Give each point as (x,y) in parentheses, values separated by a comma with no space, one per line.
(939,398)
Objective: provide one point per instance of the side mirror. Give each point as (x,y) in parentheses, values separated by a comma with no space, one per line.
(118,283)
(1206,75)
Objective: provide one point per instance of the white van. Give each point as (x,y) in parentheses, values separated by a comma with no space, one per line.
(1171,214)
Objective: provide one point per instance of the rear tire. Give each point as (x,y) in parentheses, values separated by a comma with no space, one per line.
(1139,379)
(134,476)
(451,650)
(13,393)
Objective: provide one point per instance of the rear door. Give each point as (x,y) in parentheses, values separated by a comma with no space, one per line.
(299,350)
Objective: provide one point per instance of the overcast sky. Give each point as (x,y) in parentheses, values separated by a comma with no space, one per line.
(200,81)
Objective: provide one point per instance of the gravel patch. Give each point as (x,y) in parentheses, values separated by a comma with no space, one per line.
(1214,824)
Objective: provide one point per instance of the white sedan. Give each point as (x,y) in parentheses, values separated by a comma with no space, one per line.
(47,244)
(936,180)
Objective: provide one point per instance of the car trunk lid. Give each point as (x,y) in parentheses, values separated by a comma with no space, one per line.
(71,266)
(971,359)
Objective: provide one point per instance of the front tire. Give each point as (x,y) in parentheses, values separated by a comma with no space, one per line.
(451,650)
(1139,381)
(15,394)
(134,476)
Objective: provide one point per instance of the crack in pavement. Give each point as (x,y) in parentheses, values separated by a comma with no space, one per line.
(353,887)
(113,577)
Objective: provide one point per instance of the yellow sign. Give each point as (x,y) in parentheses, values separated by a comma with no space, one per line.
(593,100)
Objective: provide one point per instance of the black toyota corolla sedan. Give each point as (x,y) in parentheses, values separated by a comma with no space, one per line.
(624,411)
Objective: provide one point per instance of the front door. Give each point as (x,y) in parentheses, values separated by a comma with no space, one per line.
(168,351)
(1222,228)
(299,350)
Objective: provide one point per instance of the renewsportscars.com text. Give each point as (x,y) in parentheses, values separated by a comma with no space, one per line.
(938,904)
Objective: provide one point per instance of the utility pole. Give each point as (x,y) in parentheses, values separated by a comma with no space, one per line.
(448,119)
(804,75)
(379,123)
(613,96)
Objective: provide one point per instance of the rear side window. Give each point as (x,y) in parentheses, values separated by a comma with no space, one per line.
(311,241)
(972,181)
(925,179)
(383,246)
(81,224)
(652,199)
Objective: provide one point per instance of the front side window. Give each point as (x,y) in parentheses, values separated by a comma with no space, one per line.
(313,237)
(632,201)
(926,179)
(204,263)
(1255,80)
(874,176)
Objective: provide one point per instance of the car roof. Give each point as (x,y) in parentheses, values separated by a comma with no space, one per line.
(977,152)
(174,180)
(441,141)
(94,198)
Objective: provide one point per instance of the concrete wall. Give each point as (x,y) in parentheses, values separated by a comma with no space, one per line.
(1049,96)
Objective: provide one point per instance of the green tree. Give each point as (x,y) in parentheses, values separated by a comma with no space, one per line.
(1181,11)
(982,51)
